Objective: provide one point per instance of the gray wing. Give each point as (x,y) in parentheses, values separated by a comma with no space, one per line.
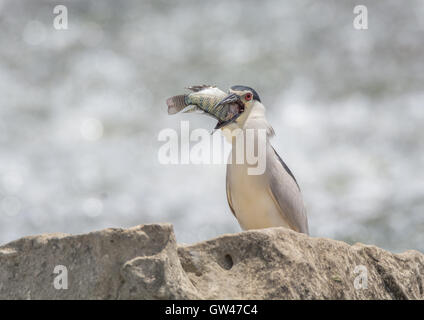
(227,182)
(285,192)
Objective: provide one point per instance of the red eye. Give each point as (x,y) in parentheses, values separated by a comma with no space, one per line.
(248,97)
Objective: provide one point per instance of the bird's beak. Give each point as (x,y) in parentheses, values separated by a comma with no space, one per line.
(232,97)
(219,125)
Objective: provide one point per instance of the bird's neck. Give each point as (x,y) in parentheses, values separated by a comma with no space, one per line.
(256,119)
(253,120)
(250,147)
(250,139)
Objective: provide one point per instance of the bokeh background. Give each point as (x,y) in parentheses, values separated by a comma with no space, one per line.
(81,110)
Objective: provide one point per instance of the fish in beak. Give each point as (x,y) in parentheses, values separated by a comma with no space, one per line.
(236,107)
(226,108)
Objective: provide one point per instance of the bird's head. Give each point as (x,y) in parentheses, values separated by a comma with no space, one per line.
(253,115)
(242,95)
(246,98)
(248,94)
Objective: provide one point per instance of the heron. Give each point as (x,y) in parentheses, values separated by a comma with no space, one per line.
(272,198)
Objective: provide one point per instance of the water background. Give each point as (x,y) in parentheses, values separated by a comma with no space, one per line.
(81,109)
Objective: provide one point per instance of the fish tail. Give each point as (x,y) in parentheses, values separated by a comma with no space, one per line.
(176,104)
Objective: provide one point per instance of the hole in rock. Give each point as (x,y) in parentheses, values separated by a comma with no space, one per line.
(228,262)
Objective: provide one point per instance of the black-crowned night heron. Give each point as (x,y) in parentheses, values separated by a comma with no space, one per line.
(270,199)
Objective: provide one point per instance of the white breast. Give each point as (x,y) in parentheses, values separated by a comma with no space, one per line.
(250,195)
(253,206)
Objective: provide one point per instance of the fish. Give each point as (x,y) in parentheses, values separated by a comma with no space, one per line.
(207,99)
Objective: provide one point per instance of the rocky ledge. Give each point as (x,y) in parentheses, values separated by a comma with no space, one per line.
(145,262)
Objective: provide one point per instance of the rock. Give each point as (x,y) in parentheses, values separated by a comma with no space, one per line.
(136,263)
(145,262)
(278,263)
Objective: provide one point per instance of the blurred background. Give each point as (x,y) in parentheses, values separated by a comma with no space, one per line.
(81,110)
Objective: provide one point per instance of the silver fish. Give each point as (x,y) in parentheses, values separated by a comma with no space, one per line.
(209,100)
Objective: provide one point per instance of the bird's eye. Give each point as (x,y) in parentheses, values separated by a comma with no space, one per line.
(248,96)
